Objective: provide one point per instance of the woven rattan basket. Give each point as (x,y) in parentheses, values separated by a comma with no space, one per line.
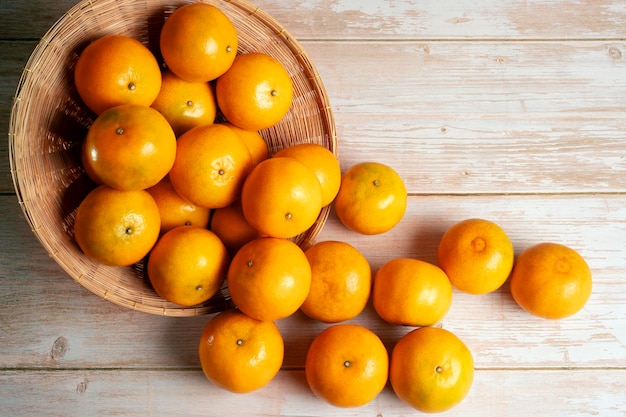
(49,121)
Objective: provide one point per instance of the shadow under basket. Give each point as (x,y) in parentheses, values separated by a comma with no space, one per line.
(49,122)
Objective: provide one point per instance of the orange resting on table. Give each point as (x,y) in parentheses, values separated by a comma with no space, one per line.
(341,279)
(372,198)
(347,365)
(551,280)
(477,255)
(411,292)
(115,70)
(116,227)
(269,278)
(431,369)
(239,353)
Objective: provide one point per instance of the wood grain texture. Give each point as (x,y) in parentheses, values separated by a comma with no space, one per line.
(511,111)
(332,20)
(159,393)
(483,117)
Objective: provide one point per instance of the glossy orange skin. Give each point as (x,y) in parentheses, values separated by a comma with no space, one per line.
(551,280)
(176,211)
(281,197)
(269,278)
(211,165)
(347,365)
(240,354)
(256,92)
(341,279)
(411,292)
(198,42)
(188,265)
(431,369)
(322,162)
(185,104)
(115,70)
(372,198)
(129,147)
(477,255)
(117,228)
(254,141)
(232,227)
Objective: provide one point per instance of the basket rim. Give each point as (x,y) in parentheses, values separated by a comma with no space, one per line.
(19,110)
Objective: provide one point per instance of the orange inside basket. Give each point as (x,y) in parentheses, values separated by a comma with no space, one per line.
(49,121)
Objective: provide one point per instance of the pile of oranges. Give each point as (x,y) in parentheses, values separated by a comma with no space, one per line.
(185,181)
(180,146)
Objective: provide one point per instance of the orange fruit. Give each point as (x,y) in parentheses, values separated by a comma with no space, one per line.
(188,265)
(281,197)
(256,91)
(411,292)
(116,228)
(269,278)
(551,280)
(347,365)
(176,211)
(238,353)
(431,369)
(129,147)
(198,42)
(86,166)
(115,70)
(477,255)
(341,279)
(211,165)
(321,161)
(185,104)
(254,141)
(372,198)
(230,225)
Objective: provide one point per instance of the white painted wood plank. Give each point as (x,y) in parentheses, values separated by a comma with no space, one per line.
(41,305)
(482,117)
(167,393)
(433,19)
(351,19)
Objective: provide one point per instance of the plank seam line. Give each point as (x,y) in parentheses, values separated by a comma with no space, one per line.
(425,39)
(523,194)
(479,194)
(298,369)
(460,40)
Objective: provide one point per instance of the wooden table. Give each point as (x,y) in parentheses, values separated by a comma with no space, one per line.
(514,111)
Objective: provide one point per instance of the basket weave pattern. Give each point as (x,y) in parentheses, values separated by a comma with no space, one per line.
(49,121)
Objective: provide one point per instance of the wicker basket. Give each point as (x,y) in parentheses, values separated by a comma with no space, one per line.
(49,121)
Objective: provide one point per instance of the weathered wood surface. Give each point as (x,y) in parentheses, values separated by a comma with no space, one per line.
(511,111)
(335,20)
(187,393)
